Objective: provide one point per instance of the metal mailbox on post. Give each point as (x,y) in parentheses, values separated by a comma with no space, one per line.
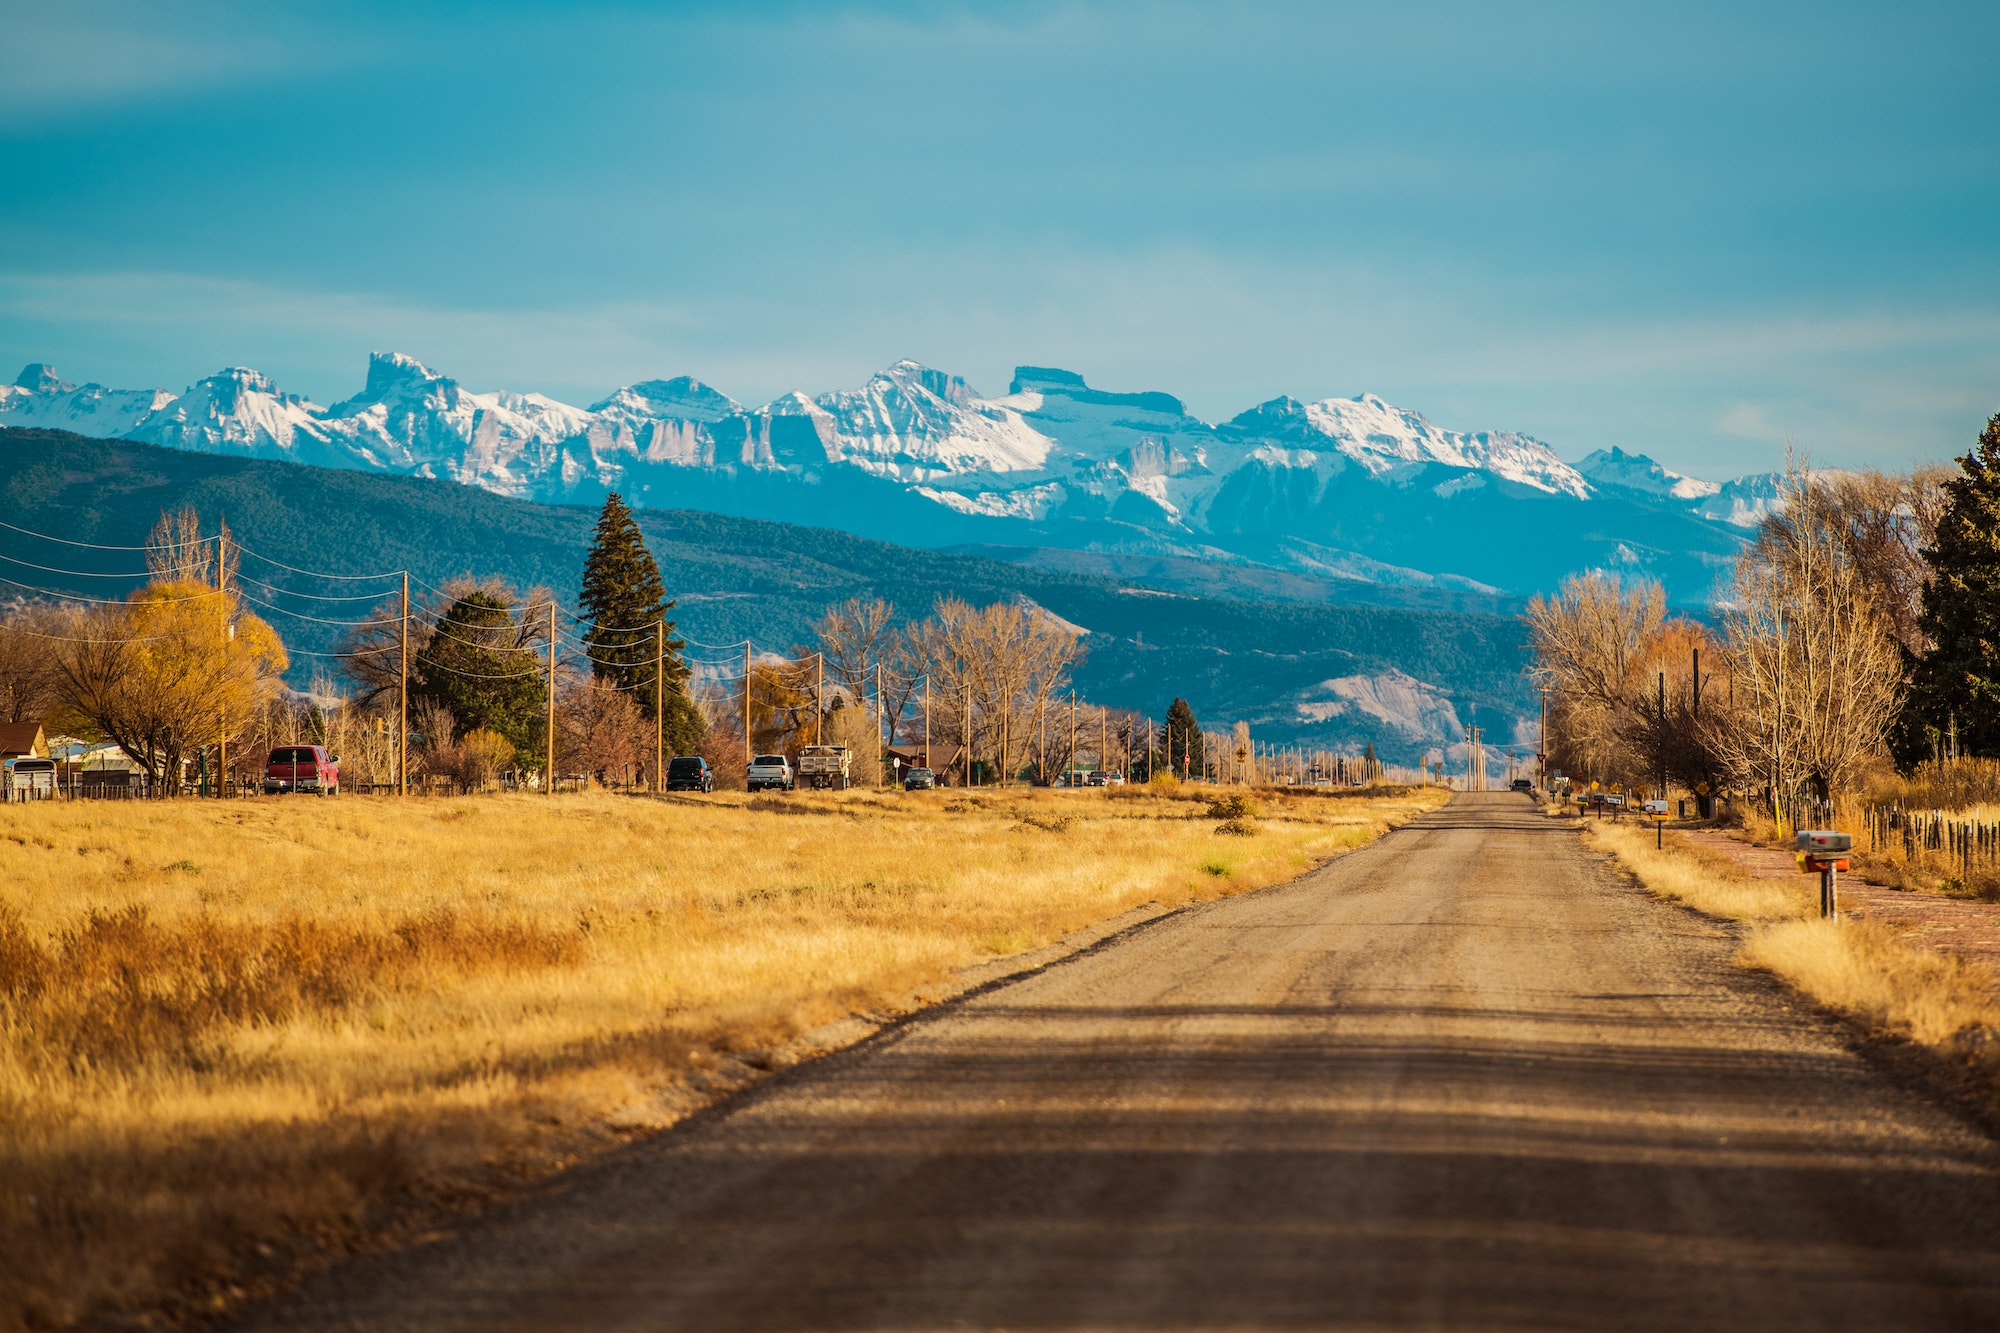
(1657,812)
(1824,851)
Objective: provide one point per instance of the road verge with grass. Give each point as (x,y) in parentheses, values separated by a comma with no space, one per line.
(1859,969)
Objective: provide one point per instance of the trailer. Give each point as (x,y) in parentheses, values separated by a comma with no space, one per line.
(824,766)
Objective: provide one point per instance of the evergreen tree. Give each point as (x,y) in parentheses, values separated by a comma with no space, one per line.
(482,669)
(1955,687)
(623,599)
(1371,767)
(1183,740)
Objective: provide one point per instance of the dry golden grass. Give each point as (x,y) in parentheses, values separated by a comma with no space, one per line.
(235,1035)
(1855,967)
(1702,879)
(1863,970)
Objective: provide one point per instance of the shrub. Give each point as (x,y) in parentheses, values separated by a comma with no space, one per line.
(1235,805)
(1241,827)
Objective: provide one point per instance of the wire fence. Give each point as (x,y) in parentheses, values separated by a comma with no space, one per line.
(1933,835)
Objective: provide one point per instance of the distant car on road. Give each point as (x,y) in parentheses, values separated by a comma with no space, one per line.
(689,772)
(919,779)
(297,768)
(1522,784)
(771,770)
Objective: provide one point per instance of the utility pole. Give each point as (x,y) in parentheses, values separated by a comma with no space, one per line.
(1103,737)
(1662,747)
(552,697)
(1042,737)
(878,721)
(1070,763)
(927,722)
(968,733)
(1542,739)
(659,706)
(1778,735)
(819,695)
(403,701)
(222,605)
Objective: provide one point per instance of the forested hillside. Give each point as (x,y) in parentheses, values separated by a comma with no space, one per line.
(1403,678)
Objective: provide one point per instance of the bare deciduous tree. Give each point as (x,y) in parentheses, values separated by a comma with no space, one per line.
(29,681)
(1811,650)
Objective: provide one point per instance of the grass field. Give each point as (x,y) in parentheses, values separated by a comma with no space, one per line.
(235,1036)
(1856,967)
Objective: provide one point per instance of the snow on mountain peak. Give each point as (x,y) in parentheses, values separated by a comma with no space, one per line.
(937,383)
(913,423)
(1389,441)
(40,377)
(682,398)
(1614,468)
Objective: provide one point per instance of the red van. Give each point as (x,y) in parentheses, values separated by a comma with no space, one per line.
(302,768)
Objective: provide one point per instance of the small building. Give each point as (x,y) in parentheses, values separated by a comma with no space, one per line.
(23,740)
(943,758)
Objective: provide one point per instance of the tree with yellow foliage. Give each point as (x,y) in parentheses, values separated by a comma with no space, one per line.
(176,667)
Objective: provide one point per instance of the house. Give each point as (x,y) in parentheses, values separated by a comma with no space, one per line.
(907,757)
(19,740)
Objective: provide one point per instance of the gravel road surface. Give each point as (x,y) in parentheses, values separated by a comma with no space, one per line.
(1464,1078)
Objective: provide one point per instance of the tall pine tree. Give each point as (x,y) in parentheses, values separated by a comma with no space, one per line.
(1955,687)
(623,600)
(1184,750)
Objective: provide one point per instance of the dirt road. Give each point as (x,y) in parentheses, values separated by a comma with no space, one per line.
(1463,1078)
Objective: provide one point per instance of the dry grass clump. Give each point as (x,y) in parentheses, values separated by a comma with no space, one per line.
(234,1035)
(1938,784)
(1704,880)
(1234,805)
(1855,967)
(1864,970)
(1240,827)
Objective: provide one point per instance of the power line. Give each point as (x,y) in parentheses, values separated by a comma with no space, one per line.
(92,546)
(315,596)
(74,573)
(241,549)
(103,601)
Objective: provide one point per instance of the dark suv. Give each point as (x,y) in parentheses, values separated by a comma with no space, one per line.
(689,772)
(1523,784)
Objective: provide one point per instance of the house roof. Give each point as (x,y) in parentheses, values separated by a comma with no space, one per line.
(23,738)
(942,755)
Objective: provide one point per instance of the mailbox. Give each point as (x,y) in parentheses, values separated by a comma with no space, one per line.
(1656,809)
(1614,801)
(1824,852)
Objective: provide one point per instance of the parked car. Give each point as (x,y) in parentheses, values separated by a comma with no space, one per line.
(919,779)
(771,770)
(689,772)
(1523,784)
(297,768)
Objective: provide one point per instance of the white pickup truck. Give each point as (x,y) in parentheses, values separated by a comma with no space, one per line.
(771,770)
(824,766)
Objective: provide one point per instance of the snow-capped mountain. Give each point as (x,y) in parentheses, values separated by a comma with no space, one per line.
(917,455)
(40,398)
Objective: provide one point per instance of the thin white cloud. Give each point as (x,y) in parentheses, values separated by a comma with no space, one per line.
(59,58)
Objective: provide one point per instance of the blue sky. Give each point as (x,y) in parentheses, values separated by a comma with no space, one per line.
(1684,229)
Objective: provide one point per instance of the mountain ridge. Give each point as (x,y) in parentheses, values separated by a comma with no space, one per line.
(919,456)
